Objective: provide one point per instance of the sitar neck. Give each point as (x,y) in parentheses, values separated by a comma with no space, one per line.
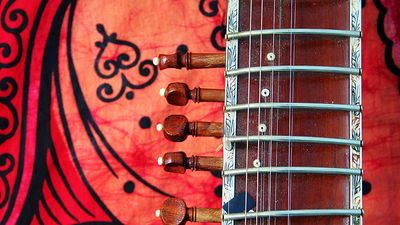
(292,127)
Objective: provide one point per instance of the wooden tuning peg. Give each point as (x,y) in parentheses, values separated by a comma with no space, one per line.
(178,162)
(177,127)
(175,212)
(190,60)
(179,94)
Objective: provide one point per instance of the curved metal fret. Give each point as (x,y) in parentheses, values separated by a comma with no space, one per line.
(294,213)
(300,170)
(295,139)
(325,32)
(291,105)
(317,69)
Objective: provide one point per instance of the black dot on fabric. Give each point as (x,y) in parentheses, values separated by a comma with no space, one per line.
(129,95)
(216,173)
(3,123)
(182,48)
(367,187)
(129,187)
(145,122)
(363,3)
(3,161)
(218,191)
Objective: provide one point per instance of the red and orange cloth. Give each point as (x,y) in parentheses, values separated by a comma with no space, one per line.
(79,104)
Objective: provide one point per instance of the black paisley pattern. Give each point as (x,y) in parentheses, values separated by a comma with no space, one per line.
(6,166)
(389,43)
(212,5)
(110,66)
(13,22)
(218,33)
(8,113)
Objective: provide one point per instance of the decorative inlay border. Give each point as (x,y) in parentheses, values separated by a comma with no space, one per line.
(228,190)
(355,117)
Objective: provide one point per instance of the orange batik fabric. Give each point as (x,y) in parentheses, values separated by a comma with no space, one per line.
(79,105)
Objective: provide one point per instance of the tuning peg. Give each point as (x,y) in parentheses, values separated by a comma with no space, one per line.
(177,127)
(175,212)
(179,94)
(178,162)
(190,60)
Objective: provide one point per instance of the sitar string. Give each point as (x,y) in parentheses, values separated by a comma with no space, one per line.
(279,49)
(270,130)
(291,99)
(259,130)
(248,112)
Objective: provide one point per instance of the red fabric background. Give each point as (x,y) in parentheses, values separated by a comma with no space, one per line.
(71,152)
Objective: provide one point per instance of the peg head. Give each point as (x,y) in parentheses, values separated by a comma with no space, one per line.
(173,212)
(177,94)
(170,61)
(176,128)
(175,162)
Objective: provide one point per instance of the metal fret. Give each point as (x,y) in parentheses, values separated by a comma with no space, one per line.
(325,32)
(295,139)
(290,105)
(294,213)
(298,170)
(320,69)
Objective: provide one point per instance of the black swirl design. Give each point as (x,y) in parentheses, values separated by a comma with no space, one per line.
(13,22)
(218,33)
(108,66)
(389,60)
(8,116)
(212,5)
(217,37)
(6,166)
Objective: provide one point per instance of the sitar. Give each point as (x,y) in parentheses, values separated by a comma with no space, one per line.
(292,139)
